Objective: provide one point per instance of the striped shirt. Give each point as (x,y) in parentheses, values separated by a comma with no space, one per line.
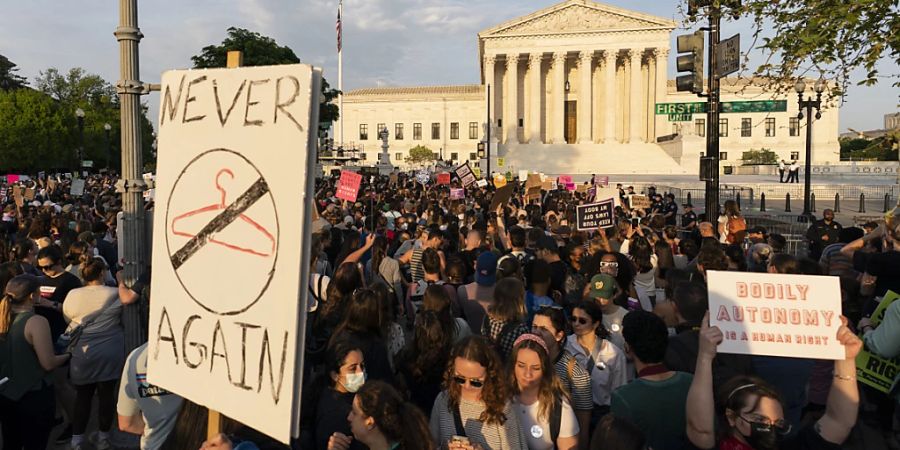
(577,381)
(416,270)
(508,436)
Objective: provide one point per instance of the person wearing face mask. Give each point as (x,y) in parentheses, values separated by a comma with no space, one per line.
(382,420)
(751,410)
(345,373)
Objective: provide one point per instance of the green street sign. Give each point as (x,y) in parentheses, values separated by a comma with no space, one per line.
(750,106)
(680,117)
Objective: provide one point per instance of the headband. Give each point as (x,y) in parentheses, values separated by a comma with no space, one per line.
(739,388)
(533,338)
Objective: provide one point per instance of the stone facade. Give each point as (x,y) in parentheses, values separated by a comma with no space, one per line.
(574,89)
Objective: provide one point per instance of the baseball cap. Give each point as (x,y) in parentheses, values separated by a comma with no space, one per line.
(603,286)
(21,286)
(486,269)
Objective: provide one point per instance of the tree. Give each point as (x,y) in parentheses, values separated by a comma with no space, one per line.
(761,156)
(9,80)
(259,50)
(849,146)
(883,148)
(36,132)
(821,38)
(420,154)
(76,87)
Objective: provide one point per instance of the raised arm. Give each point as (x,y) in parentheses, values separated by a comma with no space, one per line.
(843,398)
(354,257)
(701,408)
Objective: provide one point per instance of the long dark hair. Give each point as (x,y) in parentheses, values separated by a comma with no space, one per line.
(379,252)
(430,347)
(738,393)
(362,315)
(346,280)
(641,252)
(398,420)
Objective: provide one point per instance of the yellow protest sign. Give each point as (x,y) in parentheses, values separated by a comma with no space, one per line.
(872,369)
(500,162)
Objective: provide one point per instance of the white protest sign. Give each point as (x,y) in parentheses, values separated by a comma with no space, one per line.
(77,188)
(233,191)
(795,316)
(605,193)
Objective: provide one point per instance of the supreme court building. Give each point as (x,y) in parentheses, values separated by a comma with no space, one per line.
(577,88)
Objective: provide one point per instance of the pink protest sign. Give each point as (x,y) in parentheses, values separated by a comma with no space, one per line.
(569,186)
(348,186)
(443,178)
(10,179)
(457,194)
(565,179)
(601,181)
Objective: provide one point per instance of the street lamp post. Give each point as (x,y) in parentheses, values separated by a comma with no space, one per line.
(79,114)
(808,105)
(107,128)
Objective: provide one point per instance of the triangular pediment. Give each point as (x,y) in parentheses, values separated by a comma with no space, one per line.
(575,16)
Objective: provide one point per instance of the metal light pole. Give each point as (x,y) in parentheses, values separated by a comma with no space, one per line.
(107,128)
(487,142)
(808,104)
(712,115)
(131,184)
(79,114)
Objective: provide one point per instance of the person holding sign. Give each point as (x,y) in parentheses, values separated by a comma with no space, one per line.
(751,410)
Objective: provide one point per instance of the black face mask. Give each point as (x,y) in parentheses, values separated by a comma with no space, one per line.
(762,437)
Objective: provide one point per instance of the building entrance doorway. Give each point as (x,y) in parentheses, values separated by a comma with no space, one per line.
(571,121)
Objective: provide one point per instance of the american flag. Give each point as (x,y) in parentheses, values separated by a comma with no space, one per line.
(337,27)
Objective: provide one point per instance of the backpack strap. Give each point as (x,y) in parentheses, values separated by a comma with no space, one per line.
(555,419)
(457,422)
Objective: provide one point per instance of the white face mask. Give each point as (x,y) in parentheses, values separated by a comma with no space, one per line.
(353,381)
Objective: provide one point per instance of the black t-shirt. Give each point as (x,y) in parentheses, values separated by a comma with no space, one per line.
(885,266)
(687,218)
(56,289)
(331,417)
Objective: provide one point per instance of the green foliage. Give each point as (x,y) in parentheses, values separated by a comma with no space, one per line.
(76,87)
(826,38)
(853,145)
(760,157)
(420,154)
(8,78)
(258,50)
(883,148)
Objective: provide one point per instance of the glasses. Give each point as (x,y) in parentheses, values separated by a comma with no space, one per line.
(473,382)
(579,320)
(550,307)
(780,427)
(608,264)
(48,267)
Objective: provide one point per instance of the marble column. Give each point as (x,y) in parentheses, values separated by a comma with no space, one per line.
(559,98)
(490,80)
(511,94)
(534,103)
(662,91)
(584,97)
(609,97)
(634,94)
(650,124)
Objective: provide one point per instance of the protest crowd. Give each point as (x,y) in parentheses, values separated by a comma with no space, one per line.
(486,320)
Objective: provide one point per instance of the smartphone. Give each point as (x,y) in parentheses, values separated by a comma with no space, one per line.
(635,222)
(459,440)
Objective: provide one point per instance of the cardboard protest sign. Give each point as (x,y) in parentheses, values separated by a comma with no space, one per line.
(795,316)
(594,216)
(457,193)
(582,188)
(18,197)
(605,193)
(51,185)
(77,187)
(501,197)
(482,183)
(348,186)
(523,175)
(393,179)
(533,193)
(236,165)
(872,369)
(443,178)
(636,201)
(548,185)
(499,181)
(533,180)
(465,174)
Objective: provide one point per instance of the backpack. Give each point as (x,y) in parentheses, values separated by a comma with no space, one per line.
(737,230)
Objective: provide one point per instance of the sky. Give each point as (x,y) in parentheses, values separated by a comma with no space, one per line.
(386,42)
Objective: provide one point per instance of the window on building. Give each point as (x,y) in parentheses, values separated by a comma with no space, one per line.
(454,157)
(700,127)
(723,127)
(521,123)
(473,156)
(398,156)
(723,156)
(362,156)
(417,131)
(435,130)
(770,127)
(473,130)
(746,127)
(795,156)
(500,123)
(363,132)
(795,126)
(380,127)
(454,130)
(398,131)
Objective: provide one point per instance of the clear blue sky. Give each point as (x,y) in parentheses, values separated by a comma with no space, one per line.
(386,42)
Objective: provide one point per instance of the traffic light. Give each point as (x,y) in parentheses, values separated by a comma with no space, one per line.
(480,148)
(692,61)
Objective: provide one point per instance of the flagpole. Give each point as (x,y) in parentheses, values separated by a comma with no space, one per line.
(341,75)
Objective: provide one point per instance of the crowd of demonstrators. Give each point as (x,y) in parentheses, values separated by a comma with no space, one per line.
(463,324)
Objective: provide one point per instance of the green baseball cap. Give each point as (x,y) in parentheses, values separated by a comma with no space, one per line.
(603,286)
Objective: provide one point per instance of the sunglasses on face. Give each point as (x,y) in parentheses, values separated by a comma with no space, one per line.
(608,264)
(550,307)
(780,427)
(45,267)
(579,320)
(473,382)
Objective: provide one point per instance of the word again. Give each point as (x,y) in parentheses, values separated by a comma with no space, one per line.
(772,291)
(198,98)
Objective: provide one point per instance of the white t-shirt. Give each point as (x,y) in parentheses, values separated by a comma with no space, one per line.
(158,406)
(537,432)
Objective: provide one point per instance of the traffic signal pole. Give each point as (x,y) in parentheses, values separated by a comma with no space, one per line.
(712,115)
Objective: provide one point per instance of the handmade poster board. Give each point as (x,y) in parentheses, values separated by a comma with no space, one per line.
(231,226)
(596,215)
(443,178)
(348,186)
(872,369)
(77,187)
(795,316)
(457,193)
(465,174)
(636,201)
(605,193)
(501,196)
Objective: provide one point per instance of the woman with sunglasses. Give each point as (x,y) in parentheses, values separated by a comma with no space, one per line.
(550,324)
(539,397)
(751,411)
(382,420)
(594,351)
(474,412)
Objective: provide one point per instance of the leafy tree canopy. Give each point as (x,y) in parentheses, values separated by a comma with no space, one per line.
(259,50)
(420,154)
(9,79)
(821,38)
